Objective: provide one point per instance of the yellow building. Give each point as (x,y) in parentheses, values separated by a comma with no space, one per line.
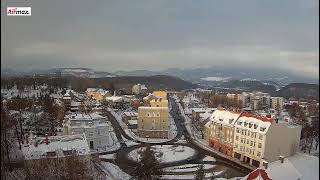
(159,102)
(153,122)
(97,94)
(160,94)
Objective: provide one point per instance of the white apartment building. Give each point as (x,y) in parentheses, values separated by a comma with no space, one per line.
(256,100)
(259,139)
(94,126)
(277,103)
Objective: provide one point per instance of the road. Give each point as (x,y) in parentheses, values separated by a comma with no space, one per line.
(128,165)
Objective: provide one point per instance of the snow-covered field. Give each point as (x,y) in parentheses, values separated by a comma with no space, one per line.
(165,153)
(188,168)
(192,176)
(108,156)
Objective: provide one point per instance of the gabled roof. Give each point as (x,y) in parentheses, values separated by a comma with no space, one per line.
(224,117)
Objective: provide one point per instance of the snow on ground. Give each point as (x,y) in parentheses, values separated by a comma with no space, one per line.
(209,158)
(165,153)
(108,156)
(192,176)
(114,172)
(188,168)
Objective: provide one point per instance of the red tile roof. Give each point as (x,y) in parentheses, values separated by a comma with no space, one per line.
(264,119)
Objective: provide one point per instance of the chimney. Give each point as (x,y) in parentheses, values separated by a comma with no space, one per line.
(265,164)
(281,158)
(47,140)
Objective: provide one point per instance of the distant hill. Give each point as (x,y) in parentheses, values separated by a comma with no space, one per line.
(300,90)
(152,82)
(139,73)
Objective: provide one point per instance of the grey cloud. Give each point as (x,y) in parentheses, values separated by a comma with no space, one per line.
(120,35)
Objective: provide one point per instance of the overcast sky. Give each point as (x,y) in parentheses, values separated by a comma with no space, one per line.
(113,35)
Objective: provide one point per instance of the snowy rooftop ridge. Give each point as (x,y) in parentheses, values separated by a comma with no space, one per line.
(225,117)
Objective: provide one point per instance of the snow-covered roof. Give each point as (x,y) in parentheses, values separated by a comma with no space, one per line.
(133,122)
(300,166)
(114,99)
(131,113)
(143,87)
(224,117)
(37,147)
(254,123)
(83,116)
(75,103)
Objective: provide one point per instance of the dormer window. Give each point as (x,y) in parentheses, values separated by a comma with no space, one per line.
(250,125)
(245,124)
(262,129)
(239,123)
(230,121)
(220,119)
(255,126)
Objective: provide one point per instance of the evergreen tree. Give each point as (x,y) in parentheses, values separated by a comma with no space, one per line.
(148,168)
(200,175)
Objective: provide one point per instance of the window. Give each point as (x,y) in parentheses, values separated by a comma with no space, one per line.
(148,115)
(220,119)
(252,135)
(258,154)
(241,140)
(248,133)
(262,129)
(236,145)
(260,136)
(245,124)
(230,121)
(242,131)
(238,130)
(237,137)
(250,125)
(251,143)
(259,145)
(245,132)
(247,141)
(255,126)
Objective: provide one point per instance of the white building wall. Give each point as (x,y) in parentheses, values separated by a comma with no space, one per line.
(281,140)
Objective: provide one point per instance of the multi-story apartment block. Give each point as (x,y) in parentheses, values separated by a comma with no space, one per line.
(95,127)
(277,103)
(159,102)
(219,131)
(259,139)
(256,100)
(153,122)
(160,94)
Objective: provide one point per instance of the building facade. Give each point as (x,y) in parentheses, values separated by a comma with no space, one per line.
(153,122)
(277,103)
(159,102)
(219,131)
(160,94)
(93,125)
(258,139)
